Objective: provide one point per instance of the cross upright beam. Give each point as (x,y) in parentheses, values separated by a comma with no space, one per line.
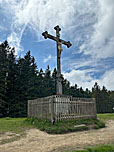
(59,43)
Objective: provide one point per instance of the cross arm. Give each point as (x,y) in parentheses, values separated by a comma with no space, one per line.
(46,35)
(68,44)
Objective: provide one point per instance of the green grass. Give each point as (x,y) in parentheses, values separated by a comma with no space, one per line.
(19,125)
(65,126)
(106,116)
(16,125)
(103,148)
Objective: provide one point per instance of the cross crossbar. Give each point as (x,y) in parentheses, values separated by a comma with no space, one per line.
(46,35)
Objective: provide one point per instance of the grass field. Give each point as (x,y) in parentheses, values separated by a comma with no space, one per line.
(16,125)
(109,116)
(19,125)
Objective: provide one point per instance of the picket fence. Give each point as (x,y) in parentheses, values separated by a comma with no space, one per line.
(61,107)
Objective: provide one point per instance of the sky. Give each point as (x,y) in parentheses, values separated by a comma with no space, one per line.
(87,24)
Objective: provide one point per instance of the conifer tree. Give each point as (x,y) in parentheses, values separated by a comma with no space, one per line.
(27,82)
(3,78)
(12,77)
(96,93)
(48,83)
(54,81)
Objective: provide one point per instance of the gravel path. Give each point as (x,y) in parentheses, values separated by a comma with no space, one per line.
(37,141)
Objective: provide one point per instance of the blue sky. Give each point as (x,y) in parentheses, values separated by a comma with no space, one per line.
(88,25)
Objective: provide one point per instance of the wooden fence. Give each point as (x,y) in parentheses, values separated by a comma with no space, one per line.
(60,107)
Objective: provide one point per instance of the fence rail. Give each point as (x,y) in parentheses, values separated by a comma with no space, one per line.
(57,108)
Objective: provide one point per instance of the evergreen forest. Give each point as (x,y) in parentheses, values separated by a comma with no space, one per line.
(21,80)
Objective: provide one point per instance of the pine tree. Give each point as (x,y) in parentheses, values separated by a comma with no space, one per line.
(48,83)
(74,91)
(87,93)
(66,86)
(27,82)
(12,76)
(54,81)
(4,48)
(104,97)
(96,94)
(33,81)
(111,101)
(40,82)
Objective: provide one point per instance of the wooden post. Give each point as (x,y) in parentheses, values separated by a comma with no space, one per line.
(95,109)
(52,111)
(28,109)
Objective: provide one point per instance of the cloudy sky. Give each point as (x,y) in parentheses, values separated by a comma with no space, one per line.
(87,24)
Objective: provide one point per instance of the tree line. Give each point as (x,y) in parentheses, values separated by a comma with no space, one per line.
(21,80)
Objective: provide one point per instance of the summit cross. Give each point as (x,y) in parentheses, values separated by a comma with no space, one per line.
(59,50)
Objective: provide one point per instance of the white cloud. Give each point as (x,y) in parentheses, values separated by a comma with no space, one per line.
(84,78)
(101,42)
(47,59)
(14,41)
(89,23)
(108,79)
(81,78)
(40,15)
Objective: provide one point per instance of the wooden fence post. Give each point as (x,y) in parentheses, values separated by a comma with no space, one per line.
(28,109)
(95,109)
(52,111)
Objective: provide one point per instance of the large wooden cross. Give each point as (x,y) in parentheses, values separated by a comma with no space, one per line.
(59,50)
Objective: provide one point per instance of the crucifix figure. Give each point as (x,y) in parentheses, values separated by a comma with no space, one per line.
(59,50)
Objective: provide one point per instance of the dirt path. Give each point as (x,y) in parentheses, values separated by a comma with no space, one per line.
(37,141)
